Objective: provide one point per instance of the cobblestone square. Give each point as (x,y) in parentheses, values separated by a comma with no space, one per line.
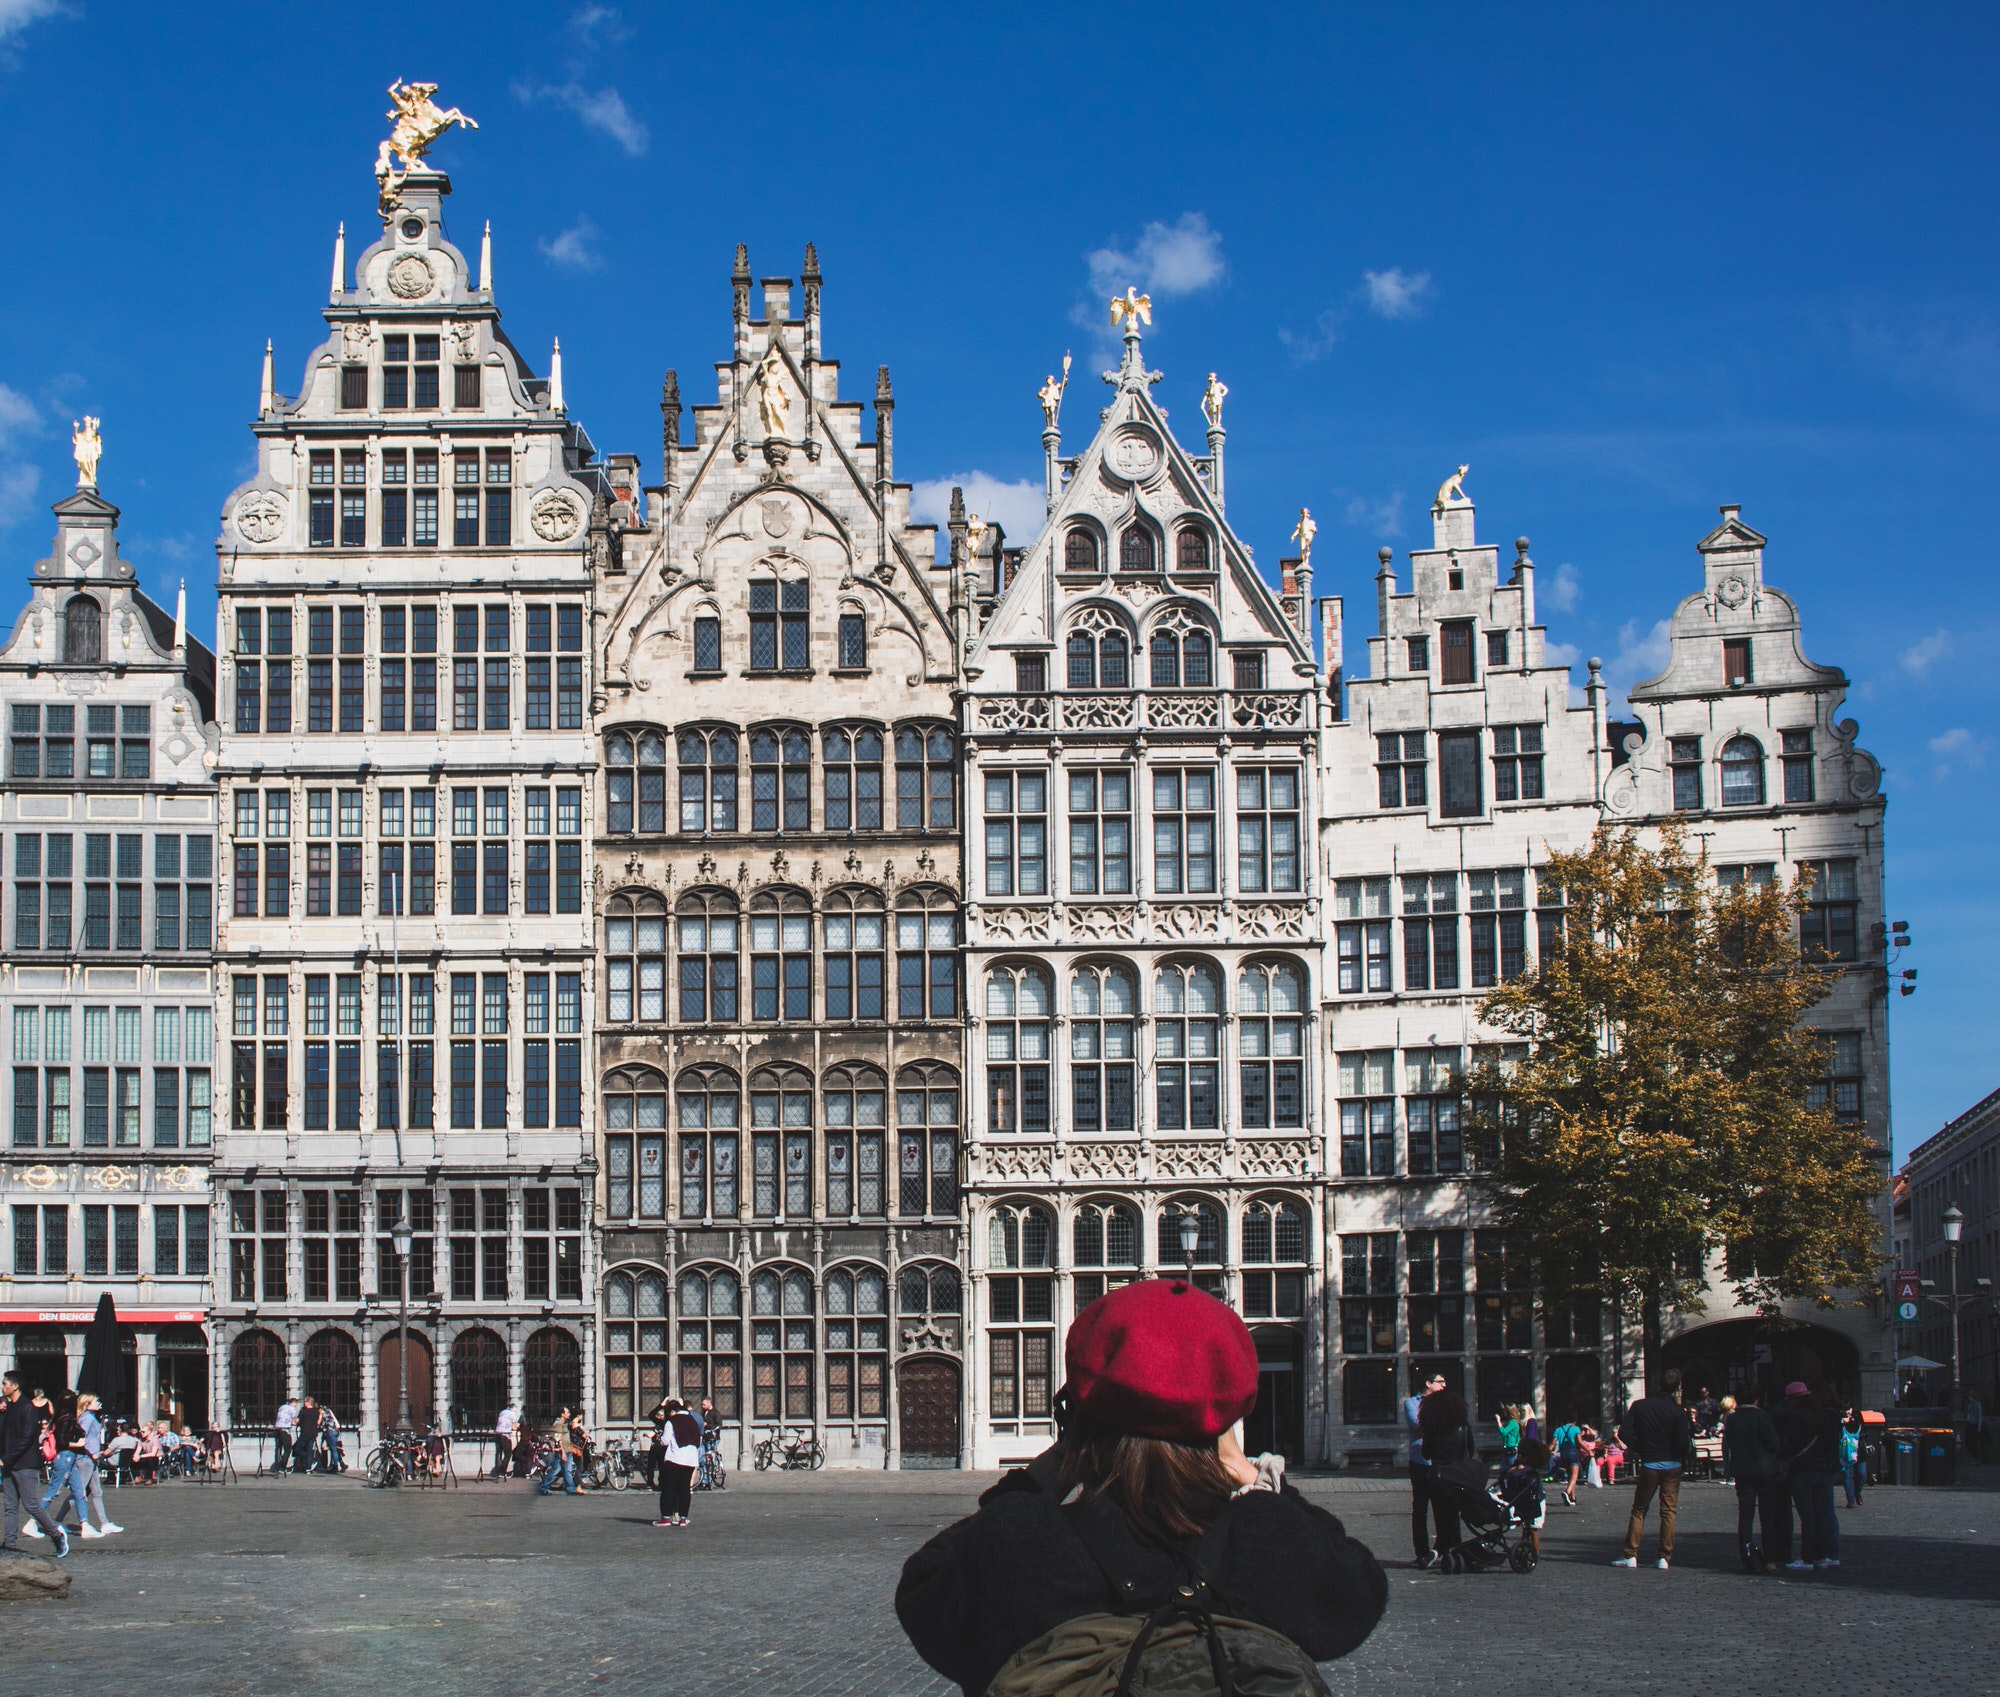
(784,1585)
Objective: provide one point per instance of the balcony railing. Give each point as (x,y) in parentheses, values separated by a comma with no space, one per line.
(1126,710)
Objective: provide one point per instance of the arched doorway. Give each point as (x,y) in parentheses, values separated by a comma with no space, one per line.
(333,1374)
(554,1370)
(1277,1423)
(1746,1358)
(388,1380)
(927,1411)
(478,1380)
(257,1378)
(181,1363)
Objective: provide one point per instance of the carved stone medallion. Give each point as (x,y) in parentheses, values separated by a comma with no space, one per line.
(259,519)
(1732,591)
(1134,455)
(777,517)
(411,277)
(41,1178)
(555,517)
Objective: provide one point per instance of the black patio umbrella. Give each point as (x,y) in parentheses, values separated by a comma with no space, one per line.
(103,1370)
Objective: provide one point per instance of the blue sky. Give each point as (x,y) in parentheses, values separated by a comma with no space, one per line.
(1629,263)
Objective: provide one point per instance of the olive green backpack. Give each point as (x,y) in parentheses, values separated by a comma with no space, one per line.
(1182,1649)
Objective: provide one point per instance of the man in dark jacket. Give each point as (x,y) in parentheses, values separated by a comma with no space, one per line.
(1657,1439)
(1750,1440)
(21,1468)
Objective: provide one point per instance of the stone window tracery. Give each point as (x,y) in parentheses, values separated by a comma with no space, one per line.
(708,780)
(635,777)
(853,778)
(706,1106)
(855,1103)
(927,1100)
(1103,1005)
(926,779)
(781,1121)
(1742,773)
(1270,1001)
(1018,1004)
(635,1156)
(705,938)
(1187,1046)
(635,947)
(711,1339)
(780,779)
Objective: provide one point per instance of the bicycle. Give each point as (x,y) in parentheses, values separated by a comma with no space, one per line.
(394,1461)
(709,1476)
(617,1467)
(801,1454)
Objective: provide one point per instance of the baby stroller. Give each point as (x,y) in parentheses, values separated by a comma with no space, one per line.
(1488,1519)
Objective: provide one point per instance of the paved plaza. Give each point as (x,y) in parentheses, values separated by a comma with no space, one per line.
(783,1585)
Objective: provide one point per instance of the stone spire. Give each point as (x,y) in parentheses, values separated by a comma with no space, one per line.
(267,389)
(181,623)
(339,286)
(486,261)
(555,379)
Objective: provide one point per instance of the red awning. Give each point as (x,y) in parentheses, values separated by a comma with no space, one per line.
(83,1316)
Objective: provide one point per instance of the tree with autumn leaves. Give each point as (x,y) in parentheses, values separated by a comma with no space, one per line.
(1663,1115)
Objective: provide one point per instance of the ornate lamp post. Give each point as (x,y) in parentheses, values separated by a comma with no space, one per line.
(1190,1225)
(1954,1226)
(400,1236)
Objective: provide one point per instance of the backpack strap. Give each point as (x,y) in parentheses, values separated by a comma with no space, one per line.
(1112,1555)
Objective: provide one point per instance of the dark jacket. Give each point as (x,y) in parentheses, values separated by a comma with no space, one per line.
(1750,1439)
(1656,1429)
(20,1434)
(983,1588)
(1809,1439)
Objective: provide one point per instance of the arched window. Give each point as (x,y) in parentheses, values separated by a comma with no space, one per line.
(635,1344)
(257,1377)
(1274,1236)
(926,954)
(1271,999)
(1136,552)
(778,613)
(711,1339)
(83,632)
(478,1380)
(635,970)
(635,1144)
(708,781)
(852,630)
(1198,660)
(554,1372)
(1082,661)
(1742,773)
(780,780)
(781,957)
(781,1117)
(926,779)
(1166,660)
(1018,1238)
(857,1343)
(927,1140)
(705,937)
(1017,1050)
(929,1289)
(333,1374)
(1104,1235)
(852,964)
(1209,1243)
(1103,1004)
(1080,550)
(781,1341)
(635,777)
(706,1104)
(1187,1008)
(1114,655)
(707,638)
(1191,549)
(854,1100)
(1100,653)
(853,779)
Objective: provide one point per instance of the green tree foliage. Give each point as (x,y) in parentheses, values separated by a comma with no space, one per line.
(1664,1113)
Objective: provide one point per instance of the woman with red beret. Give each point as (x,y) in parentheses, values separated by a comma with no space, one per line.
(1144,1489)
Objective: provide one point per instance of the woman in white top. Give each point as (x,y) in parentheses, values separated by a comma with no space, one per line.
(680,1455)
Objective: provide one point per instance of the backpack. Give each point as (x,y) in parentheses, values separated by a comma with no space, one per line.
(1183,1649)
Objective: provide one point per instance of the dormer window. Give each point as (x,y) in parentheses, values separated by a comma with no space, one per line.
(409,372)
(1135,550)
(1496,649)
(465,388)
(83,632)
(1080,551)
(1191,550)
(1455,636)
(1736,661)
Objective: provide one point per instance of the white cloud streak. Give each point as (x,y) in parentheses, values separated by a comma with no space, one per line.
(1305,346)
(1396,293)
(1640,655)
(1383,518)
(1560,589)
(1919,657)
(573,248)
(1180,258)
(601,109)
(17,15)
(1955,748)
(1018,508)
(18,477)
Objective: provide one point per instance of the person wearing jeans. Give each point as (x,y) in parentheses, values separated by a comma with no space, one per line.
(21,1468)
(562,1459)
(1420,1474)
(1750,1437)
(1811,1433)
(680,1454)
(1657,1437)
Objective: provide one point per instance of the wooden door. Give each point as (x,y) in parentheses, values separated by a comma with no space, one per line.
(389,1364)
(927,1396)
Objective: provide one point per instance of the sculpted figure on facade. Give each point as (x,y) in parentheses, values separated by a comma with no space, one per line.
(418,122)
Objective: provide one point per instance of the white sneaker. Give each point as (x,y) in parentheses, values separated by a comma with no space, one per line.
(1799,1566)
(90,1531)
(109,1527)
(34,1530)
(1831,1561)
(1626,1561)
(1662,1564)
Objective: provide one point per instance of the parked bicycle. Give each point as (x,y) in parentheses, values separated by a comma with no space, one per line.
(800,1454)
(709,1476)
(617,1468)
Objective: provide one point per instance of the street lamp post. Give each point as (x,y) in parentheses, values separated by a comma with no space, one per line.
(1954,1225)
(400,1236)
(1190,1239)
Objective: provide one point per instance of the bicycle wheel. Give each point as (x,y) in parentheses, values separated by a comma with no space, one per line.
(621,1474)
(378,1460)
(817,1458)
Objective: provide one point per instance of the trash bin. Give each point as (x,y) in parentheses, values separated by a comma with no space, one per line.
(1902,1458)
(1937,1458)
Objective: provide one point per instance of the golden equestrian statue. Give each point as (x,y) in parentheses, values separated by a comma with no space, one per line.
(419,121)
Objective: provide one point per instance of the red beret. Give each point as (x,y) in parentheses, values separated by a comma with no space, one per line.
(1161,1359)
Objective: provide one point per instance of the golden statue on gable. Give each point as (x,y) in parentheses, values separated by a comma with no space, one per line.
(419,121)
(88,447)
(1131,309)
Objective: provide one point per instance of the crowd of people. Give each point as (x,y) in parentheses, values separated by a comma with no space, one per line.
(308,1437)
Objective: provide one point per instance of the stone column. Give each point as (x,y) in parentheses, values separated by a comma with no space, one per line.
(147,1343)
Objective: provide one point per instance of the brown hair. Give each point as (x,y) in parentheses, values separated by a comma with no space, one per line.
(1165,1490)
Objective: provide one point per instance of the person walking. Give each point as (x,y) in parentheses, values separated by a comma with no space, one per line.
(1568,1441)
(305,1436)
(680,1455)
(1811,1435)
(1158,1374)
(79,1442)
(562,1458)
(285,1425)
(1420,1478)
(1853,1470)
(21,1429)
(711,1445)
(1657,1434)
(1444,1423)
(1750,1441)
(506,1424)
(1508,1420)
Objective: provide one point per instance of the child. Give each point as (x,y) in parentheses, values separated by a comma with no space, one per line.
(1520,1488)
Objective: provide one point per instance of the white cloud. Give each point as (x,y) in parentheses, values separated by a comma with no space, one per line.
(1018,508)
(573,247)
(1180,258)
(17,491)
(1640,656)
(1396,293)
(1560,588)
(17,412)
(1306,346)
(1957,747)
(1919,656)
(595,24)
(601,109)
(18,478)
(1561,653)
(1383,518)
(17,15)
